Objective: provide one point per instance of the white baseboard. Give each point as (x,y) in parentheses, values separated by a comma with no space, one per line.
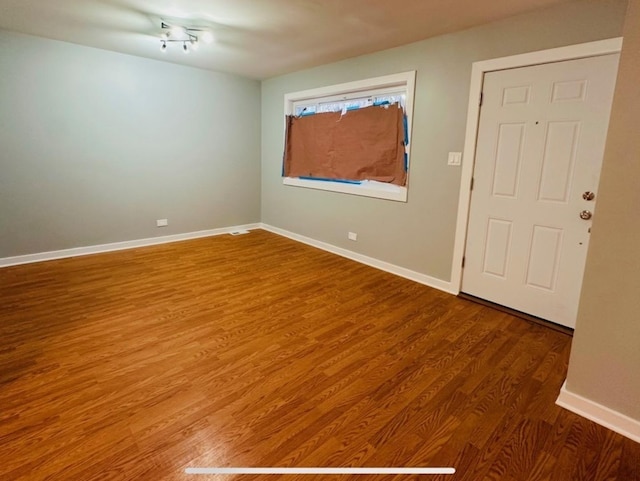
(599,414)
(370,261)
(117,246)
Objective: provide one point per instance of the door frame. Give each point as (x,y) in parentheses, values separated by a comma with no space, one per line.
(478,70)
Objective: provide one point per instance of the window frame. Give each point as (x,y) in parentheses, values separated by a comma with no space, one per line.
(345,91)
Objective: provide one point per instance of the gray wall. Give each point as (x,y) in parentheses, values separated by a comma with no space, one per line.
(95,146)
(605,356)
(417,235)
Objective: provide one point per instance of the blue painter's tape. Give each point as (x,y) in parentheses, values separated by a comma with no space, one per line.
(406,129)
(381,102)
(326,179)
(306,114)
(353,107)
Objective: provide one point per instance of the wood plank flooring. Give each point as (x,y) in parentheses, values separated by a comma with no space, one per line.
(256,350)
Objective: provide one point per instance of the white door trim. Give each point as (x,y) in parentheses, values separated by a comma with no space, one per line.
(572,52)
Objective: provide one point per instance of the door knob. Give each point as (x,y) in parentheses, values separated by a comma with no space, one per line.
(586,214)
(588,195)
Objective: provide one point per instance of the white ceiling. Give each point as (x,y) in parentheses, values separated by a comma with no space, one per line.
(255,38)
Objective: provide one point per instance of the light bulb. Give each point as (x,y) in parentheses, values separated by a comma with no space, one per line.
(207,37)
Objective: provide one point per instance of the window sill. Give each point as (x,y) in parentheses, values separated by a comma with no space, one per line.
(368,188)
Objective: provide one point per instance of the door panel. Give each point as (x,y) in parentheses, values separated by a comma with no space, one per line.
(558,161)
(497,247)
(545,253)
(508,159)
(541,139)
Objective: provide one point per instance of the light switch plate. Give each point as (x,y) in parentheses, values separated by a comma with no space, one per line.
(455,158)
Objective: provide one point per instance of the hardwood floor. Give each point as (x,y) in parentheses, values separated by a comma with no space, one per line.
(258,351)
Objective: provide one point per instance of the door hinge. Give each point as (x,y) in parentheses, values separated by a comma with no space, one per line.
(481,98)
(471,186)
(463,259)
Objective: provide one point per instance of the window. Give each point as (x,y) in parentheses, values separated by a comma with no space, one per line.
(351,138)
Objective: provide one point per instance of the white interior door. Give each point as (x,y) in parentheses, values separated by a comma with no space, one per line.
(541,139)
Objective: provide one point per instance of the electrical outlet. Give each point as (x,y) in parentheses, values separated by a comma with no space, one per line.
(353,236)
(162,223)
(455,158)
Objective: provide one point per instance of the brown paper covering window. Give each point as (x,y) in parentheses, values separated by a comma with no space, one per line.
(363,144)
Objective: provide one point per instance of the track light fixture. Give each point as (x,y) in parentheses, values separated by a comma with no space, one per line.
(188,36)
